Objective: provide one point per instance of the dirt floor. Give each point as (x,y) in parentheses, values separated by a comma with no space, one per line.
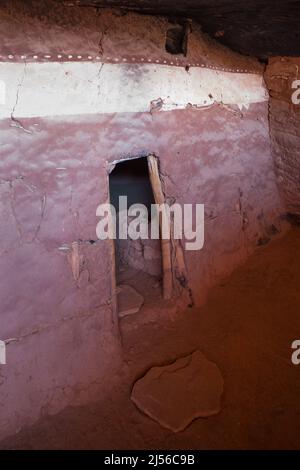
(246,327)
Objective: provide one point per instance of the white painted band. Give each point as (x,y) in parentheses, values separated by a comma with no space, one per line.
(72,88)
(2,352)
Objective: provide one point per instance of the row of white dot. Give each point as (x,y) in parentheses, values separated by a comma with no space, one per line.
(124,59)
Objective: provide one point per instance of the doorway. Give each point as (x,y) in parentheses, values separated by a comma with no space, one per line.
(138,262)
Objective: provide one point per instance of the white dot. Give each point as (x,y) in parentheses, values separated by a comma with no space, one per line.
(90,57)
(47,56)
(35,56)
(10,56)
(23,56)
(59,56)
(70,57)
(79,57)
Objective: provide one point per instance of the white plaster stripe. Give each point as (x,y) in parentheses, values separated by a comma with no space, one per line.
(62,89)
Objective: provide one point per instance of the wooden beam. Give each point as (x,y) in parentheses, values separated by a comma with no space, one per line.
(165,243)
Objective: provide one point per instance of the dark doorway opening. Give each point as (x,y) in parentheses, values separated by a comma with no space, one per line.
(177,38)
(131,178)
(138,262)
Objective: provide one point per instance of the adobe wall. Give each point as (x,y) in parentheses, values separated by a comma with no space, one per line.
(280,74)
(80,94)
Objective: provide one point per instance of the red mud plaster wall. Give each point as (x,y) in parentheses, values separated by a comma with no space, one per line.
(58,326)
(55,286)
(285,127)
(52,29)
(62,324)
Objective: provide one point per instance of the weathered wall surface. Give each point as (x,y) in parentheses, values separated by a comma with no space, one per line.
(55,293)
(50,31)
(285,127)
(62,122)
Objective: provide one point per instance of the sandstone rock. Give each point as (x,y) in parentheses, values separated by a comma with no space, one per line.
(129,300)
(176,394)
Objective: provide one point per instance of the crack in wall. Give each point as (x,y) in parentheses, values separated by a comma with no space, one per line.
(42,328)
(43,208)
(98,78)
(32,188)
(100,42)
(16,122)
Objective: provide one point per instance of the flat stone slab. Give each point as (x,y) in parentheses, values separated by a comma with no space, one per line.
(176,394)
(129,300)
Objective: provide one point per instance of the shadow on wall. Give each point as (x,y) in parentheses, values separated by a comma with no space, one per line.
(130,178)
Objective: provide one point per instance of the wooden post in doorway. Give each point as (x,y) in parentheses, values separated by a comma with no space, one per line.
(165,243)
(113,275)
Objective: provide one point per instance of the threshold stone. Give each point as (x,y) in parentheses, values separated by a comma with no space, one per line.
(129,300)
(176,394)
